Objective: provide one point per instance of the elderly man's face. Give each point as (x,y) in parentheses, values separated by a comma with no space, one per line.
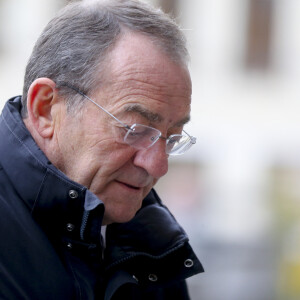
(139,79)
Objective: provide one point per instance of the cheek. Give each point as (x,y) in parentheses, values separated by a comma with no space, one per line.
(66,152)
(114,154)
(108,162)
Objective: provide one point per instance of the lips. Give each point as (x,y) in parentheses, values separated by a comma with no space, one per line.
(129,185)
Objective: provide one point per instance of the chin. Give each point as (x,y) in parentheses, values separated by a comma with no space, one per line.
(122,217)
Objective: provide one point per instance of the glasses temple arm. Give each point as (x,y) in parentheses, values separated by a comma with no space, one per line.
(193,139)
(98,105)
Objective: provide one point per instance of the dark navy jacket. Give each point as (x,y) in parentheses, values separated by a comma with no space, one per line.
(51,247)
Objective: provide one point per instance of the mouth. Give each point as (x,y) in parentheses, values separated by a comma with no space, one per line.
(129,185)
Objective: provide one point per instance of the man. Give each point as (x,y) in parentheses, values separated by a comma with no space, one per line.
(106,95)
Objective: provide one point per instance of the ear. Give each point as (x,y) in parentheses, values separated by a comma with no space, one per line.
(41,97)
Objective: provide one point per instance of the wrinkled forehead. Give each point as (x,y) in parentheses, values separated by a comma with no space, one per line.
(135,56)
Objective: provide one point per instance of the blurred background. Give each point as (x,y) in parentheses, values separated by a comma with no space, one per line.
(236,192)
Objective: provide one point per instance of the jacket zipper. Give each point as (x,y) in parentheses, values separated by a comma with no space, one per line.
(83,223)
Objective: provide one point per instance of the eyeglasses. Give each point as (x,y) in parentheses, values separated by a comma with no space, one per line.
(142,137)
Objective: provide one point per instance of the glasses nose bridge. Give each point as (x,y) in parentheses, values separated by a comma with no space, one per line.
(162,138)
(166,139)
(155,142)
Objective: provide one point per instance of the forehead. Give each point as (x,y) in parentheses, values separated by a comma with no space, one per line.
(140,75)
(136,56)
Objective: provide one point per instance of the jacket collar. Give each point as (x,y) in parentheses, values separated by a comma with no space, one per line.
(152,248)
(153,231)
(50,195)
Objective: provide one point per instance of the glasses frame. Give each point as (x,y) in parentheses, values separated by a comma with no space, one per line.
(131,128)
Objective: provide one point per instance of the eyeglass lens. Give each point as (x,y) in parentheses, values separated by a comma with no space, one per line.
(142,137)
(178,144)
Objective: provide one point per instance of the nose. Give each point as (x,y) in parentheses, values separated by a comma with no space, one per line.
(154,159)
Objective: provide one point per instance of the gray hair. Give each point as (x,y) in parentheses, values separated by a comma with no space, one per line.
(75,43)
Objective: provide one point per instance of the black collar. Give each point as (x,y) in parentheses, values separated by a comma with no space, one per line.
(53,199)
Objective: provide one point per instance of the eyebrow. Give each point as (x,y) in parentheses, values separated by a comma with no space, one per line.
(144,112)
(153,117)
(183,121)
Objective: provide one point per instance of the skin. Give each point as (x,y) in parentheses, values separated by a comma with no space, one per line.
(142,85)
